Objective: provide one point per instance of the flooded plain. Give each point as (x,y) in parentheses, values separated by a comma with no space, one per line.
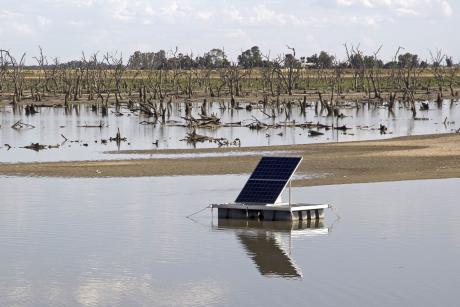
(80,133)
(127,241)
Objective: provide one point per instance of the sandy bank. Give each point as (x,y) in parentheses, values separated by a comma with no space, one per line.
(406,158)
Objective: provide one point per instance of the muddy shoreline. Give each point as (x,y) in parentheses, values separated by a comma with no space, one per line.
(310,95)
(404,158)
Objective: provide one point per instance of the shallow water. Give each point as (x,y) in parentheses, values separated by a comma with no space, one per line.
(126,242)
(51,123)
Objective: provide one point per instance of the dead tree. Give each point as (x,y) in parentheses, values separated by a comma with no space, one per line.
(452,75)
(115,62)
(232,76)
(438,71)
(287,69)
(47,77)
(392,81)
(373,74)
(268,77)
(15,72)
(356,63)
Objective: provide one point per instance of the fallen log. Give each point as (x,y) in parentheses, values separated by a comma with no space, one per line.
(314,133)
(118,138)
(101,125)
(38,146)
(20,125)
(342,128)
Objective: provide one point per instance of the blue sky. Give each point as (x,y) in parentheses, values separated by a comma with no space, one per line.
(65,28)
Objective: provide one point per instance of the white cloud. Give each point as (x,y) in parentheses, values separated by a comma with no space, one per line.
(15,23)
(77,3)
(447,8)
(260,15)
(422,8)
(43,21)
(236,24)
(77,23)
(205,15)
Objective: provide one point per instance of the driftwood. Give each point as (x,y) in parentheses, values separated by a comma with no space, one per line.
(101,125)
(342,128)
(235,124)
(203,122)
(193,138)
(258,125)
(30,109)
(424,106)
(118,138)
(20,125)
(38,146)
(147,123)
(314,133)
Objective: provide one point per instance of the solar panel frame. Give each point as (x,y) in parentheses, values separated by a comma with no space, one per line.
(268,180)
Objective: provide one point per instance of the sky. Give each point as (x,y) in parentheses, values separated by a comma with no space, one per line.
(65,28)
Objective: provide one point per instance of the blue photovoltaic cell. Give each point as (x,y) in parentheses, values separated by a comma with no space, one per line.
(268,180)
(261,191)
(275,168)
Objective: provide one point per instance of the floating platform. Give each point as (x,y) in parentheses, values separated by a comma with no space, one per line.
(260,198)
(269,212)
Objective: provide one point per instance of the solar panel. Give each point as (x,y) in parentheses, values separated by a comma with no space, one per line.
(268,180)
(275,168)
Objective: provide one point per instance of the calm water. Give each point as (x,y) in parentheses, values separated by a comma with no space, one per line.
(126,242)
(50,123)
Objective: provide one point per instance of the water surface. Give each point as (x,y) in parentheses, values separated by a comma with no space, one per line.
(126,242)
(85,143)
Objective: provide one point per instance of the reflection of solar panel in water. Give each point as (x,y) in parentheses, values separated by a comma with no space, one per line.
(268,180)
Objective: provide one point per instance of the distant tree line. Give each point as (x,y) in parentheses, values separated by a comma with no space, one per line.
(253,58)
